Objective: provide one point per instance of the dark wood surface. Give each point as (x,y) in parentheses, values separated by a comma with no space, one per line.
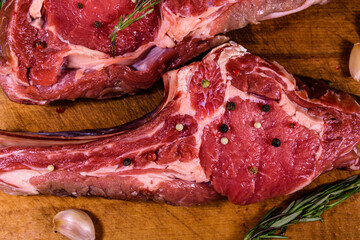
(313,43)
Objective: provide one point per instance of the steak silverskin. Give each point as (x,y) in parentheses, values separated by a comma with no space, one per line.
(252,132)
(56,50)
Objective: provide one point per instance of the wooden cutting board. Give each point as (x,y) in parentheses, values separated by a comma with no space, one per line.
(314,43)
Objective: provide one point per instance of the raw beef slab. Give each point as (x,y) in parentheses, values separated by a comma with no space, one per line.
(51,50)
(232,125)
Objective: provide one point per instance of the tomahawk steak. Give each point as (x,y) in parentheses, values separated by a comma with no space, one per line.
(232,125)
(61,49)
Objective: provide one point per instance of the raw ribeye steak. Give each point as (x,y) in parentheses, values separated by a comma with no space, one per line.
(232,125)
(61,49)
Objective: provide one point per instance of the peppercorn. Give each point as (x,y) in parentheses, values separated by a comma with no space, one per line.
(80,5)
(60,109)
(224,128)
(51,168)
(292,125)
(224,140)
(97,24)
(265,108)
(152,156)
(253,170)
(276,142)
(257,125)
(236,72)
(40,45)
(205,83)
(127,161)
(230,106)
(179,127)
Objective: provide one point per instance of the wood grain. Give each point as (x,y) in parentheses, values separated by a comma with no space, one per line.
(314,43)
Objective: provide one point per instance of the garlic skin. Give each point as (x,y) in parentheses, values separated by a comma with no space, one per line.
(354,62)
(74,224)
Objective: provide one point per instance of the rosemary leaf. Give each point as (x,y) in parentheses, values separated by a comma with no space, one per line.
(142,7)
(306,209)
(275,237)
(2,2)
(285,220)
(268,214)
(310,219)
(288,208)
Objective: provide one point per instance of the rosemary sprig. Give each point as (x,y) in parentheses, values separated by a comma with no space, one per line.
(142,7)
(306,209)
(2,2)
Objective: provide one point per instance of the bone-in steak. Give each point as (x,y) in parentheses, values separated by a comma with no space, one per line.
(231,125)
(61,49)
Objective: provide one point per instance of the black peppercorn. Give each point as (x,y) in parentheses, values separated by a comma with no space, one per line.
(127,161)
(292,125)
(230,106)
(97,24)
(80,5)
(276,142)
(224,128)
(265,108)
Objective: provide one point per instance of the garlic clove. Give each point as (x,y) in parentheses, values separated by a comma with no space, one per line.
(74,224)
(354,62)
